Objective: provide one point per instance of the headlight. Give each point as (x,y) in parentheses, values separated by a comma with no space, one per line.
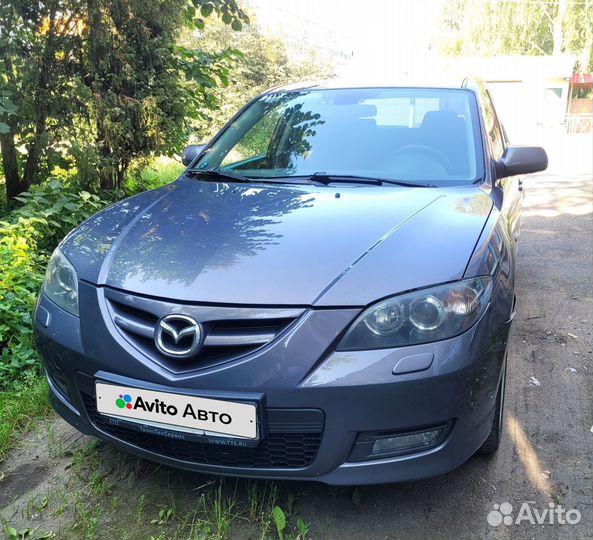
(420,317)
(61,282)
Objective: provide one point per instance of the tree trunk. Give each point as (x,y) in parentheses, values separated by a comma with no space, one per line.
(15,185)
(96,37)
(585,56)
(42,96)
(558,35)
(31,170)
(106,177)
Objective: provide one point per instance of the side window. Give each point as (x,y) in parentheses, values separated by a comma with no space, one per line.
(255,142)
(493,128)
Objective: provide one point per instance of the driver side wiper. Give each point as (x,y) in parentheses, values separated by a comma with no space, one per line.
(326,179)
(217,174)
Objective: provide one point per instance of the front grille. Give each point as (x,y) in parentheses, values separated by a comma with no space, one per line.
(294,447)
(229,333)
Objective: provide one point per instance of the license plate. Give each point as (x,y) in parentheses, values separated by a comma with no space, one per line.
(178,411)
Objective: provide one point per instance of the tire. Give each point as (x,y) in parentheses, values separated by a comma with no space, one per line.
(492,442)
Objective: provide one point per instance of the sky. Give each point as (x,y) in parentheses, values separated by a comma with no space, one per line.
(375,37)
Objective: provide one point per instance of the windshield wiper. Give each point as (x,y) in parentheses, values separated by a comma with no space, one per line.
(326,179)
(319,177)
(217,174)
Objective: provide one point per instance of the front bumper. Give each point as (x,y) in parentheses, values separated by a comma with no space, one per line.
(315,409)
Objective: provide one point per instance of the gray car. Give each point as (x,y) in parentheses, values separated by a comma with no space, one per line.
(325,293)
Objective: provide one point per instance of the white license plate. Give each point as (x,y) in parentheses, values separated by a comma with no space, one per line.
(178,411)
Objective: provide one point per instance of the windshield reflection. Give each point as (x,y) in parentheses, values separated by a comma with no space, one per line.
(203,227)
(413,134)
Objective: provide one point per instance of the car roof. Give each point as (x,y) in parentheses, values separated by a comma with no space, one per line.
(346,83)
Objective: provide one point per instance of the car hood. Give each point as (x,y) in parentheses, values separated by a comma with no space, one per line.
(274,244)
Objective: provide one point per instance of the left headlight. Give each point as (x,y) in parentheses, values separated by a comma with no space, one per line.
(419,317)
(61,282)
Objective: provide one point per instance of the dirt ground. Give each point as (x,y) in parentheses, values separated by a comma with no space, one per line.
(59,482)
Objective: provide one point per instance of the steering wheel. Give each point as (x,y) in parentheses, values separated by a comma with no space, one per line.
(428,151)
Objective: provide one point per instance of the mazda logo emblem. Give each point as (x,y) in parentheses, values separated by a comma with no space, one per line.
(178,336)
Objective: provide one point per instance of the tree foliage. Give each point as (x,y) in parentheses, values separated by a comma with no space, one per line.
(264,62)
(543,27)
(101,82)
(27,236)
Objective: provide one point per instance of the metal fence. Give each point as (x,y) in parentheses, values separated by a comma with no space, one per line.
(579,122)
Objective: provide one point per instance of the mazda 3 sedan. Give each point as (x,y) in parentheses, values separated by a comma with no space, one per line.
(325,293)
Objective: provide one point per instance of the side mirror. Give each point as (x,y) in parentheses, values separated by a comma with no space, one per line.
(191,152)
(521,160)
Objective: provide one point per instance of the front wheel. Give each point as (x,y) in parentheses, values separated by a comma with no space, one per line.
(492,442)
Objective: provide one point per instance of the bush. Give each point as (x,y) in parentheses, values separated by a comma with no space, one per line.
(152,174)
(20,281)
(28,235)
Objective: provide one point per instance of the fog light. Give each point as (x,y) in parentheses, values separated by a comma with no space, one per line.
(57,378)
(397,443)
(377,445)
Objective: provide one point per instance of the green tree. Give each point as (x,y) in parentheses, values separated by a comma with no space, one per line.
(101,80)
(543,27)
(37,47)
(264,62)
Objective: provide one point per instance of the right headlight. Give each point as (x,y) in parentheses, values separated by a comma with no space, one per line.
(61,282)
(419,317)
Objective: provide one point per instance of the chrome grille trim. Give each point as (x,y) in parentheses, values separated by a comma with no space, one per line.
(213,339)
(228,339)
(136,327)
(229,332)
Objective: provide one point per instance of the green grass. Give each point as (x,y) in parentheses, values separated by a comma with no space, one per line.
(20,408)
(97,495)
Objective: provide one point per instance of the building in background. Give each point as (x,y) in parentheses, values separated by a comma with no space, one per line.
(579,117)
(530,92)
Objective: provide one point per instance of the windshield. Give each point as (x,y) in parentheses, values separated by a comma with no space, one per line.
(392,133)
